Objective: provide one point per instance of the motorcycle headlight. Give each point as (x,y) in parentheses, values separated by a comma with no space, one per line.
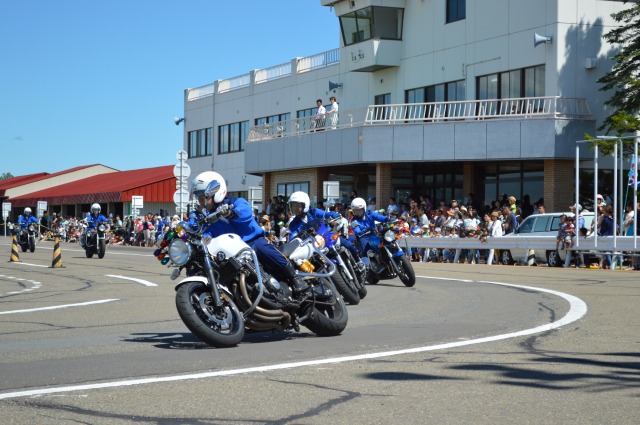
(180,252)
(320,243)
(389,236)
(102,228)
(31,228)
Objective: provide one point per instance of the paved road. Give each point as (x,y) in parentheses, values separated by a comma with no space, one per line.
(587,371)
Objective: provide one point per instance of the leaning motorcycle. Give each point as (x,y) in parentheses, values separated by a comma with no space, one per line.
(27,237)
(226,290)
(96,241)
(349,281)
(385,257)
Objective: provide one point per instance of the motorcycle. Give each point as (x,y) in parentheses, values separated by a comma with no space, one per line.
(349,281)
(386,260)
(226,290)
(26,237)
(96,241)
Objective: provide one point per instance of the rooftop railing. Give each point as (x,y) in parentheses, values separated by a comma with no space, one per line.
(309,63)
(432,112)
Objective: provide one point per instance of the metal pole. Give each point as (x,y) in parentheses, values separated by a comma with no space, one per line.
(577,194)
(595,194)
(615,196)
(635,195)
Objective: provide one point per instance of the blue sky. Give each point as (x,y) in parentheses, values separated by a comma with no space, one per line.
(84,82)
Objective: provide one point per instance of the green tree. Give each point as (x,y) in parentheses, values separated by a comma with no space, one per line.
(5,176)
(623,79)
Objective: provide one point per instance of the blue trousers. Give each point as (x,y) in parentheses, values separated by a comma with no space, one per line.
(269,256)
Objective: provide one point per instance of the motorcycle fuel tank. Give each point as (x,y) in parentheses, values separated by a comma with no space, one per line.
(229,244)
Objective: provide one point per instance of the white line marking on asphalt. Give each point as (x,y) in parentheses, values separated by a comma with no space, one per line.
(30,264)
(34,285)
(55,307)
(144,282)
(577,310)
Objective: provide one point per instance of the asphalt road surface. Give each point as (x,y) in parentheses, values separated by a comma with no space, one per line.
(99,341)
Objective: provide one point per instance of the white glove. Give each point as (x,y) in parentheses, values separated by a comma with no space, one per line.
(224,210)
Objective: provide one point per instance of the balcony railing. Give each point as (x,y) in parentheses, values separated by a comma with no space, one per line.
(418,113)
(319,60)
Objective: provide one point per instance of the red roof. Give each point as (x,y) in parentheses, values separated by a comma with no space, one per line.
(19,181)
(154,184)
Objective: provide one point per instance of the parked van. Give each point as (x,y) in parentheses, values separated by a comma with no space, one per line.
(540,225)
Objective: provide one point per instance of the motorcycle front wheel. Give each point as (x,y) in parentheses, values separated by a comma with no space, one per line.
(32,244)
(407,274)
(329,317)
(221,328)
(345,287)
(102,248)
(88,252)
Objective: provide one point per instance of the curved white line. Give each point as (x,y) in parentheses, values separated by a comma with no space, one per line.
(55,307)
(577,310)
(144,282)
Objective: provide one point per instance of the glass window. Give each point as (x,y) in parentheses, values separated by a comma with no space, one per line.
(372,22)
(193,144)
(388,22)
(223,139)
(209,144)
(541,224)
(526,226)
(202,142)
(286,189)
(456,10)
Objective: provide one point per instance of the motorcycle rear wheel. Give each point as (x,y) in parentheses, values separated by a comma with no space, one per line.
(407,274)
(328,319)
(345,288)
(219,329)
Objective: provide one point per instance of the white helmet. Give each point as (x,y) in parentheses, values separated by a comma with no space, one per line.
(358,204)
(210,185)
(27,210)
(95,209)
(299,197)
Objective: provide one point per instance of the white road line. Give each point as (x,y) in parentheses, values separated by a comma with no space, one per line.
(55,307)
(144,282)
(576,311)
(30,264)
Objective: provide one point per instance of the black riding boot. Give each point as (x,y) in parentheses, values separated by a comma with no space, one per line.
(298,285)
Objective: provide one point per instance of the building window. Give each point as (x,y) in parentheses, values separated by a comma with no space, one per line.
(515,84)
(281,120)
(286,189)
(382,113)
(446,92)
(200,143)
(372,22)
(232,137)
(456,10)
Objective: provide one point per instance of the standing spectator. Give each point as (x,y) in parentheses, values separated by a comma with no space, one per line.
(333,112)
(606,229)
(319,118)
(509,223)
(527,208)
(512,203)
(392,206)
(496,232)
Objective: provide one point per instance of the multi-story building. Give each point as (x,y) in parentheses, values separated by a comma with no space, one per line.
(436,97)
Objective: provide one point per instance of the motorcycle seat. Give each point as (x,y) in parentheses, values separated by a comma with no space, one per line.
(288,248)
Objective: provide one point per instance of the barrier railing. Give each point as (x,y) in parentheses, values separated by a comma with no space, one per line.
(418,113)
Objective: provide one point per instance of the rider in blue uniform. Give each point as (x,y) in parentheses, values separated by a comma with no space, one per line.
(92,220)
(364,220)
(299,206)
(211,190)
(26,218)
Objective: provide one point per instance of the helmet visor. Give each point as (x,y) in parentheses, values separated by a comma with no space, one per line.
(296,207)
(211,190)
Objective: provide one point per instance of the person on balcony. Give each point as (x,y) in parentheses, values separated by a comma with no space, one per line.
(319,116)
(333,112)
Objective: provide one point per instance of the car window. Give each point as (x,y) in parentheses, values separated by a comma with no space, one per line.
(541,224)
(526,226)
(555,223)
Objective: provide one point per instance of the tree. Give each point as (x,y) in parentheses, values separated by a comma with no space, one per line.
(624,77)
(5,176)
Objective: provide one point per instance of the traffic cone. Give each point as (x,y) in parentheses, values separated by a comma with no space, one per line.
(15,257)
(57,255)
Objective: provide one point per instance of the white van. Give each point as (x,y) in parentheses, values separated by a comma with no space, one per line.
(540,225)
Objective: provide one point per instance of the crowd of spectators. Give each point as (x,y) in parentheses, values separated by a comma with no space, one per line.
(134,231)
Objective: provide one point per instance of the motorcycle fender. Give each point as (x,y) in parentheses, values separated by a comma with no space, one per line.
(398,253)
(204,281)
(191,279)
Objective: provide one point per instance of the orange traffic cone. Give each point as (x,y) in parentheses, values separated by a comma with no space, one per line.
(57,255)
(15,257)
